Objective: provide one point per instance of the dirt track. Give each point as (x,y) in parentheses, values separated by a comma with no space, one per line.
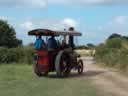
(106,80)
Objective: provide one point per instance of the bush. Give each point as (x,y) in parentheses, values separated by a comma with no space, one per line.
(17,55)
(81,47)
(112,53)
(114,43)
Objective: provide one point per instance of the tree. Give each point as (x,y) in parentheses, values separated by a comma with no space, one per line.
(114,43)
(125,37)
(90,45)
(114,35)
(8,36)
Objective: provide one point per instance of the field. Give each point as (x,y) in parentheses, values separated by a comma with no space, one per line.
(85,52)
(19,80)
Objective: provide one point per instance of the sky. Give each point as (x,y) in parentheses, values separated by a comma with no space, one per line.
(95,19)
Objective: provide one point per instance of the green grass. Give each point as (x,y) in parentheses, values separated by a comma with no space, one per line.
(19,80)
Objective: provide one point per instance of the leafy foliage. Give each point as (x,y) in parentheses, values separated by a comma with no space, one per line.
(8,36)
(114,52)
(17,55)
(114,35)
(90,45)
(114,43)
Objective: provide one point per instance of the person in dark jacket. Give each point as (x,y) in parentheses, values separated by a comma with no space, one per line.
(52,44)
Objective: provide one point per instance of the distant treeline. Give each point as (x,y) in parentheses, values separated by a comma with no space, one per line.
(114,52)
(87,46)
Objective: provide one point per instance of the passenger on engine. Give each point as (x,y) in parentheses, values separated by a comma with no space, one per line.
(52,43)
(39,43)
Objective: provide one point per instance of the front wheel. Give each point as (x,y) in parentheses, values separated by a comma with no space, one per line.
(62,64)
(80,66)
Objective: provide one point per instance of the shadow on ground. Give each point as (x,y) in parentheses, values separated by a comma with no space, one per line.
(86,74)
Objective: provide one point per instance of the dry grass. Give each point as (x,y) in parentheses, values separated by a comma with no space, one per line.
(84,52)
(19,80)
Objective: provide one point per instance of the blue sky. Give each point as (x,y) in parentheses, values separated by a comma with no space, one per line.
(96,19)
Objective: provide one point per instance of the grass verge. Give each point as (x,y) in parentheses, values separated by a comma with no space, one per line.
(19,80)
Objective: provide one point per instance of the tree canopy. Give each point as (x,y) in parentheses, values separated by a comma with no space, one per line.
(114,43)
(90,45)
(114,35)
(8,36)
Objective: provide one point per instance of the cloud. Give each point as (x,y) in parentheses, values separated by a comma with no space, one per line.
(121,20)
(44,3)
(54,24)
(68,22)
(117,25)
(3,18)
(23,3)
(28,25)
(47,23)
(89,2)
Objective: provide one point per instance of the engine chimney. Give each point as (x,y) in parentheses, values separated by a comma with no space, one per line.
(71,38)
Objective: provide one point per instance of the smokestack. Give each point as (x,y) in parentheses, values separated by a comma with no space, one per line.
(71,38)
(71,28)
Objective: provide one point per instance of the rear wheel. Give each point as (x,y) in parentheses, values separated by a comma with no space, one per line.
(80,66)
(38,72)
(62,64)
